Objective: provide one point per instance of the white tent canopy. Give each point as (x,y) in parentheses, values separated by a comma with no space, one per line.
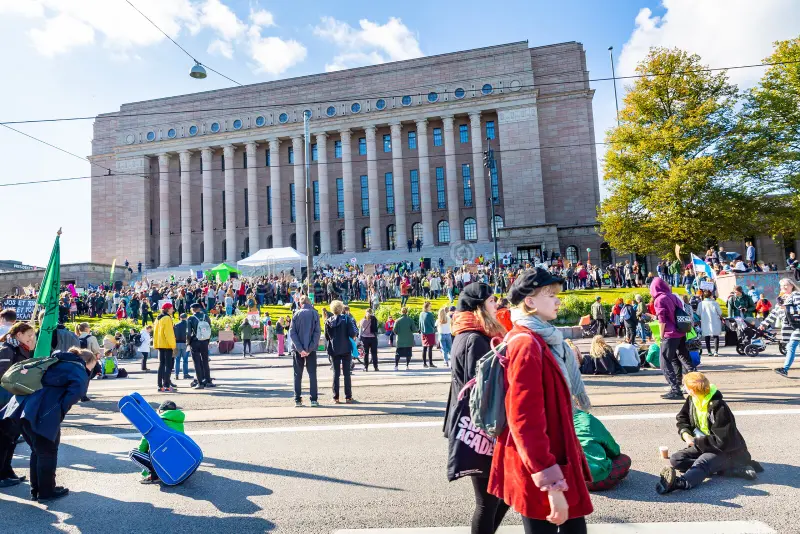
(272,256)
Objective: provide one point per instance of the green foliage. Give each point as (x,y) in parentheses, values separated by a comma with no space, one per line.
(222,322)
(106,327)
(666,170)
(383,311)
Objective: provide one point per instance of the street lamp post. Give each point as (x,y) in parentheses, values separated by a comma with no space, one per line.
(309,209)
(614,79)
(489,163)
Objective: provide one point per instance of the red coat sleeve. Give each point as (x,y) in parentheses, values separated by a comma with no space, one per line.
(525,411)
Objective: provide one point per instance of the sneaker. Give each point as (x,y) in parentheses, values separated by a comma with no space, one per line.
(161,390)
(781,371)
(672,395)
(406,367)
(336,401)
(210,384)
(314,404)
(433,366)
(667,482)
(187,377)
(425,365)
(396,368)
(171,390)
(147,480)
(199,386)
(298,404)
(58,492)
(8,482)
(746,472)
(350,401)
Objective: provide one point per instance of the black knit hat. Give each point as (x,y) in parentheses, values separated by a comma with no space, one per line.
(473,296)
(529,281)
(167,405)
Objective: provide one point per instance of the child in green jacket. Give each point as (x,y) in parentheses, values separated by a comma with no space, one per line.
(174,418)
(607,464)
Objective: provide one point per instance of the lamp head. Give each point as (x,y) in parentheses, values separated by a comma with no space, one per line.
(198,72)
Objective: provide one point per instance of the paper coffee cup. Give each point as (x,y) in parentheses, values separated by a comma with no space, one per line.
(664,452)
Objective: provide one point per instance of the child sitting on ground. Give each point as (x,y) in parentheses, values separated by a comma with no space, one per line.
(174,418)
(608,466)
(707,425)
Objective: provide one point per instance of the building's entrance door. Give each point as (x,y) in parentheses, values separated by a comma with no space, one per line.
(529,253)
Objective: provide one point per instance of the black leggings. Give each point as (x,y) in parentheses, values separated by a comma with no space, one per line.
(716,343)
(165,362)
(429,352)
(247,347)
(538,526)
(489,510)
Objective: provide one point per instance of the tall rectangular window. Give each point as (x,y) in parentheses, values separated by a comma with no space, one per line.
(337,149)
(389,193)
(267,158)
(291,155)
(315,189)
(223,162)
(463,133)
(340,197)
(314,153)
(495,187)
(246,209)
(412,140)
(465,175)
(414,175)
(244,160)
(201,165)
(437,137)
(490,134)
(151,226)
(387,143)
(362,146)
(224,215)
(180,209)
(202,211)
(269,203)
(292,211)
(441,197)
(364,195)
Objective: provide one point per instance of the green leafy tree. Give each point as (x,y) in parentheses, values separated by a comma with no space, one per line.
(767,144)
(668,180)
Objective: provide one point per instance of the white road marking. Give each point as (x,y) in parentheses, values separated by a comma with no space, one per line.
(706,527)
(382,426)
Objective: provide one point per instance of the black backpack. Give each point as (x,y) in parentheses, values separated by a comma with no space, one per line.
(84,342)
(683,321)
(137,339)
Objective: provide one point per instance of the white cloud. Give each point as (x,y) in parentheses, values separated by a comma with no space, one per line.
(262,18)
(61,33)
(372,43)
(274,55)
(218,47)
(27,8)
(219,17)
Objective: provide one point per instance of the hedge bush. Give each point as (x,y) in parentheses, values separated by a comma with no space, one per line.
(383,311)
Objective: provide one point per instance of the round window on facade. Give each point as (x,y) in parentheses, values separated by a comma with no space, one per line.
(355,107)
(214,127)
(151,136)
(433,97)
(459,93)
(260,121)
(130,138)
(380,104)
(171,133)
(237,124)
(283,118)
(487,89)
(192,130)
(331,111)
(308,112)
(406,101)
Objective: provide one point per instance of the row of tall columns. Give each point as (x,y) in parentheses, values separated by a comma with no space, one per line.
(453,177)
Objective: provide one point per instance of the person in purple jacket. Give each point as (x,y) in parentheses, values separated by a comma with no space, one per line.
(674,354)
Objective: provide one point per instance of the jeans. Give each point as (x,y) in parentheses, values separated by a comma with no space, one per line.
(165,362)
(199,351)
(247,347)
(489,510)
(403,300)
(181,352)
(310,364)
(260,299)
(340,363)
(791,350)
(145,355)
(370,346)
(446,342)
(44,459)
(696,465)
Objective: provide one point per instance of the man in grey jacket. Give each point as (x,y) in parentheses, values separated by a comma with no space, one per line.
(304,334)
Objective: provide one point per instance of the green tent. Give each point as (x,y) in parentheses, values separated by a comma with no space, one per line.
(223,270)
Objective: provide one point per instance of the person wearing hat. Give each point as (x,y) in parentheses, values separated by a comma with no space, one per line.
(542,377)
(164,342)
(598,314)
(404,330)
(199,347)
(174,419)
(473,325)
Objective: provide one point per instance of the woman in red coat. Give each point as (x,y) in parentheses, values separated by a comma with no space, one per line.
(538,466)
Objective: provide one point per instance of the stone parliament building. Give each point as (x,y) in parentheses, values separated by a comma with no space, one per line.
(396,154)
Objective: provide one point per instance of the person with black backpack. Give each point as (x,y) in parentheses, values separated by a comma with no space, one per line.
(199,335)
(629,319)
(673,340)
(474,325)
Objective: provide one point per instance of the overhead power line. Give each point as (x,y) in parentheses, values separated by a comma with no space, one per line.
(344,99)
(179,46)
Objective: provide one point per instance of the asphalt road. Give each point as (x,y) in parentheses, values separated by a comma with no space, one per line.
(269,467)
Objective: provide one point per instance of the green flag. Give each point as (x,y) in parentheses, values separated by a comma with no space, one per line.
(113,266)
(48,300)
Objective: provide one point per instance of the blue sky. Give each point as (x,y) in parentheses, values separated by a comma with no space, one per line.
(84,57)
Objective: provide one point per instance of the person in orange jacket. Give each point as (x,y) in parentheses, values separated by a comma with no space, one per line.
(504,314)
(763,306)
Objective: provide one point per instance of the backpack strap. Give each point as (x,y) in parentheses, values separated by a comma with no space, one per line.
(496,348)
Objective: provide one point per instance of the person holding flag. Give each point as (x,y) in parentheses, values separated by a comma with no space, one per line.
(701,266)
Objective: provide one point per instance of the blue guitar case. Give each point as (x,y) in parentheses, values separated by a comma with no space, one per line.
(175,455)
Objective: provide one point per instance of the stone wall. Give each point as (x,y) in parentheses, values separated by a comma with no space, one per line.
(79,274)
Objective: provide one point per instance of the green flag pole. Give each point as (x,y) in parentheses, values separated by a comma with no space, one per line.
(111,278)
(48,300)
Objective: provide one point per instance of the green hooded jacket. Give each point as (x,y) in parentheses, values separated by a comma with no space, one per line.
(174,419)
(597,443)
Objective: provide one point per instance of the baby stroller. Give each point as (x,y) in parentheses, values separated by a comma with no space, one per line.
(589,328)
(358,356)
(752,341)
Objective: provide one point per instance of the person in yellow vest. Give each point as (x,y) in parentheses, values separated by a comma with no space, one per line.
(707,425)
(164,342)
